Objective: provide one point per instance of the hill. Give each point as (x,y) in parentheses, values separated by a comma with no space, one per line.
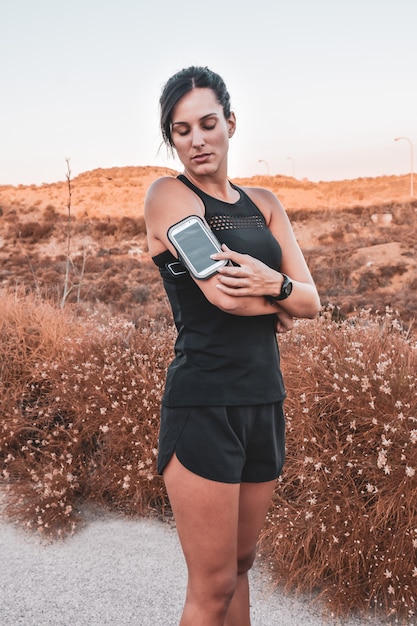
(359,238)
(120,191)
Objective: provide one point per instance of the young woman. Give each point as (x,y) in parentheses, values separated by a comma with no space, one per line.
(222,435)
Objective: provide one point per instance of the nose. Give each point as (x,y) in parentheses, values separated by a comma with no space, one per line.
(198,138)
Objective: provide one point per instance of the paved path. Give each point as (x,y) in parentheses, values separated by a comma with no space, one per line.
(117,572)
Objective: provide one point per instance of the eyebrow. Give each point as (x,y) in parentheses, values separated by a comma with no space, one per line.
(200,120)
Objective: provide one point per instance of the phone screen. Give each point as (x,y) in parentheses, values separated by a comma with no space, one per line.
(196,246)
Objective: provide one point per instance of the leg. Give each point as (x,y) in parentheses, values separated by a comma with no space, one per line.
(255,499)
(206,514)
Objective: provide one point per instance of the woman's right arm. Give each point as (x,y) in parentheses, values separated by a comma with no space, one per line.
(168,201)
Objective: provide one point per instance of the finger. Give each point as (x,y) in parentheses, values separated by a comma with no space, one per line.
(226,253)
(233,291)
(234,271)
(237,282)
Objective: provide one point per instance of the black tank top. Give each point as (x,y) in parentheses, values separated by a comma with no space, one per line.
(222,359)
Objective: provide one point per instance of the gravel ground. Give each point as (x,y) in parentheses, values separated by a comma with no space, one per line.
(121,572)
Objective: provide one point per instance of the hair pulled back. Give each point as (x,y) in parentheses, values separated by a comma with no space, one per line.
(180,84)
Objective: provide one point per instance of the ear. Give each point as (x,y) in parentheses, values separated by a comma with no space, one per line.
(231,124)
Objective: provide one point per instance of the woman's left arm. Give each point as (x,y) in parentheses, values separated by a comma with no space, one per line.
(251,277)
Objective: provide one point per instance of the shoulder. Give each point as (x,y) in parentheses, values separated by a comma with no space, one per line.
(266,201)
(169,194)
(161,187)
(167,201)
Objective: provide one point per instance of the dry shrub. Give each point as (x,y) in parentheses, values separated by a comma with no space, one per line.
(132,226)
(344,515)
(104,228)
(34,231)
(50,213)
(80,415)
(80,404)
(30,330)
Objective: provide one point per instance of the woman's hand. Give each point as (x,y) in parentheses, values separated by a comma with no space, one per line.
(249,277)
(284,322)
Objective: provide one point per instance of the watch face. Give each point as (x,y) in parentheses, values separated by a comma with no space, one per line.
(287,289)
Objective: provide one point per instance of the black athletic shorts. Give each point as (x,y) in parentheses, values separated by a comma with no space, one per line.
(226,444)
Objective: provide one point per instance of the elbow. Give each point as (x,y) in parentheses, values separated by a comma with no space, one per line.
(310,304)
(314,308)
(227,304)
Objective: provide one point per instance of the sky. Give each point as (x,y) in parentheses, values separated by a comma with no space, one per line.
(320,88)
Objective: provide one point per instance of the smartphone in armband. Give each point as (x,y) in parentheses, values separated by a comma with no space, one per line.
(194,242)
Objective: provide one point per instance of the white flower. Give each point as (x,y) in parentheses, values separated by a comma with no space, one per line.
(410,471)
(386,442)
(382,459)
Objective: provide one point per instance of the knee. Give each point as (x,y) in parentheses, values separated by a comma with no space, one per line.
(217,588)
(225,587)
(218,594)
(245,562)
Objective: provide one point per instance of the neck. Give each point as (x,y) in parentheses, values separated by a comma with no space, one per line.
(220,189)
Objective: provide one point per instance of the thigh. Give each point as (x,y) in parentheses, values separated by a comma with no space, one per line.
(206,515)
(254,502)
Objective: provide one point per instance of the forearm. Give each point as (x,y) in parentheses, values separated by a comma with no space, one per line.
(303,301)
(245,305)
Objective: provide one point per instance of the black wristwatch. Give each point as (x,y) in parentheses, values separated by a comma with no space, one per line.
(286,289)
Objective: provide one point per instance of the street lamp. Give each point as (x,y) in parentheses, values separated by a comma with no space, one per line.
(266,163)
(411,164)
(292,166)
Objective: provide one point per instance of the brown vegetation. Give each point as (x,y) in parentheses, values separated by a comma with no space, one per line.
(356,259)
(80,387)
(343,520)
(80,403)
(80,410)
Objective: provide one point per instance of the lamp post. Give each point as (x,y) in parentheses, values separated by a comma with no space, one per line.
(411,164)
(266,163)
(292,166)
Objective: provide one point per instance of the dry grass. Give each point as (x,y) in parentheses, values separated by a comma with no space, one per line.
(80,399)
(80,413)
(344,516)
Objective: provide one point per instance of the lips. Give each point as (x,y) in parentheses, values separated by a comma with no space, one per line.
(201,158)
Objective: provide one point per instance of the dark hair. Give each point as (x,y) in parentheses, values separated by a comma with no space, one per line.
(181,83)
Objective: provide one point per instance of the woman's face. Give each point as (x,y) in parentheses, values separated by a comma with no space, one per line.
(200,132)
